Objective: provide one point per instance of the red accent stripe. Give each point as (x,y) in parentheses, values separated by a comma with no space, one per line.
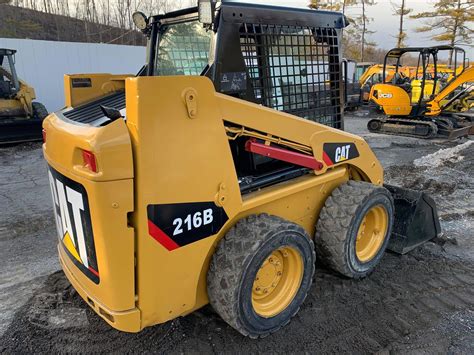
(326,159)
(289,156)
(161,237)
(93,271)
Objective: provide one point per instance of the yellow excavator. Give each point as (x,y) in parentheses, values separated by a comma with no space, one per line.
(20,116)
(220,173)
(419,107)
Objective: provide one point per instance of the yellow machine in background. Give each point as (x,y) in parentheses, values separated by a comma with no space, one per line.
(196,183)
(20,117)
(411,113)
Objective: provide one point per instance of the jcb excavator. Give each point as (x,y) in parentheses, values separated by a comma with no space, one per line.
(20,117)
(415,107)
(219,173)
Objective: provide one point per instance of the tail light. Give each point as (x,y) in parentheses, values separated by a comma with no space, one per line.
(89,160)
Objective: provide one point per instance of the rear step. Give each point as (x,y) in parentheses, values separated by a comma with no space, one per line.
(416,219)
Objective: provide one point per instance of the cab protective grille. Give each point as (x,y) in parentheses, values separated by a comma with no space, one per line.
(295,69)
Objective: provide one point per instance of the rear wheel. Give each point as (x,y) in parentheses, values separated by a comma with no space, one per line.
(39,111)
(260,274)
(354,228)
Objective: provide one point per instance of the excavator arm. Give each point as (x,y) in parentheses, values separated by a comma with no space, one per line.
(437,105)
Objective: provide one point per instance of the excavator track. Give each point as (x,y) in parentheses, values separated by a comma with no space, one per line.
(404,127)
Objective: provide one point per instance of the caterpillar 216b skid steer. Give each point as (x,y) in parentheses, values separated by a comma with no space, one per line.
(196,182)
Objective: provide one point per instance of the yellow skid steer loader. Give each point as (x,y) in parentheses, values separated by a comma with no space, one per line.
(218,174)
(20,117)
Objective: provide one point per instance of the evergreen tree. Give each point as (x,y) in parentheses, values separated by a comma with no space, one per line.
(401,10)
(450,20)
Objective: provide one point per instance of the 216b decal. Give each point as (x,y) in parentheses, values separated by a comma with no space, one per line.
(191,221)
(177,224)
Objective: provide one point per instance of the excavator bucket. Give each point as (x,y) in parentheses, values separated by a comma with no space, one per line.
(416,219)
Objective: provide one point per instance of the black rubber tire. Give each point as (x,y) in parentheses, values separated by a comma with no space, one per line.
(338,223)
(39,111)
(236,261)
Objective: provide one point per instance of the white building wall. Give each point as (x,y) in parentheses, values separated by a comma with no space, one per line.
(42,64)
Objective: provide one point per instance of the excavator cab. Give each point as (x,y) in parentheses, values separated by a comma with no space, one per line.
(412,103)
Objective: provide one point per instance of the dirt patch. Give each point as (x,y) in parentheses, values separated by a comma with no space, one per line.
(422,302)
(406,295)
(21,228)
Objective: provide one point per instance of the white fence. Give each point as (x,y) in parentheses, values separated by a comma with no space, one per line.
(42,64)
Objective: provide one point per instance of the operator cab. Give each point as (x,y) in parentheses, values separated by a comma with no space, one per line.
(9,84)
(287,59)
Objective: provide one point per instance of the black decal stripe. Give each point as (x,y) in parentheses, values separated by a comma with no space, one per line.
(164,217)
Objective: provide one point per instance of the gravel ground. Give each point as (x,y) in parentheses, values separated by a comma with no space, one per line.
(422,302)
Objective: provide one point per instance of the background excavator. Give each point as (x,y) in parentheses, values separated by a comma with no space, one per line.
(20,117)
(423,106)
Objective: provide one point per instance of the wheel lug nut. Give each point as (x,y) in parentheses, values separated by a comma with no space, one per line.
(265,290)
(279,273)
(257,289)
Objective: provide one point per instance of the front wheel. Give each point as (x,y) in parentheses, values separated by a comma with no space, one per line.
(354,227)
(39,111)
(260,274)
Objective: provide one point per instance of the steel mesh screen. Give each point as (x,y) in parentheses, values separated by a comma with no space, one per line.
(183,50)
(294,69)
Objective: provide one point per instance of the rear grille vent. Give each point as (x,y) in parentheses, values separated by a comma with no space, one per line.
(91,113)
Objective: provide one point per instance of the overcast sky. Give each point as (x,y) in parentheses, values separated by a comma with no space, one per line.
(383,22)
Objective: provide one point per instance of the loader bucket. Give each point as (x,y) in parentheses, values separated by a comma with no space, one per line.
(416,219)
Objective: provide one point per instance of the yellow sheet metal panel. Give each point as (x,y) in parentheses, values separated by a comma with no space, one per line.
(110,145)
(81,88)
(92,208)
(392,99)
(109,203)
(127,321)
(178,159)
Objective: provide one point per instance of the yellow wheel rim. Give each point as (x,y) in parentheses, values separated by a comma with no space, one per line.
(277,281)
(371,233)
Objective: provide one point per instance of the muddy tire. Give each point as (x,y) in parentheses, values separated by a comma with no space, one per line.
(259,257)
(354,227)
(39,111)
